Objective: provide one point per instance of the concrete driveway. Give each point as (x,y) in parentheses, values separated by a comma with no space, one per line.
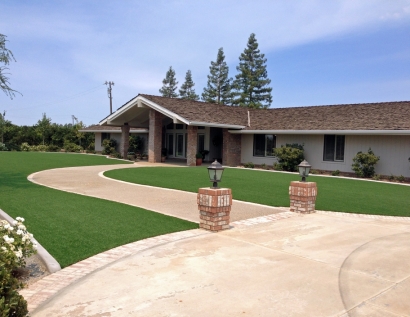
(323,264)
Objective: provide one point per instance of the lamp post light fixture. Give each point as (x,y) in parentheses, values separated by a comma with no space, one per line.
(215,171)
(304,169)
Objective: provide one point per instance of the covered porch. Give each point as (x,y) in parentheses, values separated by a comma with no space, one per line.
(173,135)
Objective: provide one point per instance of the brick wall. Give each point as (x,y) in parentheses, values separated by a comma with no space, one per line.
(214,207)
(125,140)
(231,148)
(192,133)
(302,197)
(155,136)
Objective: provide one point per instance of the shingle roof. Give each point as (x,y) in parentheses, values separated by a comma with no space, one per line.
(202,111)
(365,116)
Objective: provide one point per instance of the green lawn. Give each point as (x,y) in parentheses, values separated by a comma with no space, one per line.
(73,227)
(269,188)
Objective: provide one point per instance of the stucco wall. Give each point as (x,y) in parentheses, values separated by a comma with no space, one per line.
(394,152)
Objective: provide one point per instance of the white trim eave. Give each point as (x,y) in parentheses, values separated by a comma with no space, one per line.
(162,110)
(341,132)
(216,125)
(137,102)
(114,131)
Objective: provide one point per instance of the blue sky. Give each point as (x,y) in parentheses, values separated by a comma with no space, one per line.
(318,51)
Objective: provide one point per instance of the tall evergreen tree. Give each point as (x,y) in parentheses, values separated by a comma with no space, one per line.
(187,90)
(219,86)
(251,84)
(169,86)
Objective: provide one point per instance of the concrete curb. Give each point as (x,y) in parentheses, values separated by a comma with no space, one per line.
(51,263)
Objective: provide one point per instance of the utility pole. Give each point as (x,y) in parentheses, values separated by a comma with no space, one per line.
(109,91)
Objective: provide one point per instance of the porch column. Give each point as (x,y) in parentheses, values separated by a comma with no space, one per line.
(125,140)
(231,148)
(154,136)
(192,145)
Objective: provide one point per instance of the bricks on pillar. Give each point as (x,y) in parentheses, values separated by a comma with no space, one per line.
(302,197)
(155,136)
(125,140)
(214,207)
(192,145)
(231,148)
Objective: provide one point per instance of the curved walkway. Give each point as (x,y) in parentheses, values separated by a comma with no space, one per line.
(323,264)
(89,181)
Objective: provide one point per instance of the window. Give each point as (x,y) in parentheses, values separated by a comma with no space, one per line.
(334,148)
(263,144)
(201,128)
(104,136)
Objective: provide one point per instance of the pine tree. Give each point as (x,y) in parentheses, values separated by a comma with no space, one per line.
(219,86)
(169,86)
(187,90)
(251,84)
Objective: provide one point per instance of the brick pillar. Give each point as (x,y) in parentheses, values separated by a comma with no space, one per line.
(214,208)
(125,140)
(231,148)
(192,145)
(302,197)
(155,136)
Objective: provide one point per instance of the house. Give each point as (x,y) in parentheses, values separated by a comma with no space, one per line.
(331,135)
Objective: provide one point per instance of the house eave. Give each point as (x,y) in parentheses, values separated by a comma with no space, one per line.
(341,132)
(216,125)
(114,131)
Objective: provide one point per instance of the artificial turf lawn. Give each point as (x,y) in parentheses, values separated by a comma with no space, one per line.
(73,227)
(271,188)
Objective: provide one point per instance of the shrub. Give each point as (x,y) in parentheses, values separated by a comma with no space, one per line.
(363,163)
(376,177)
(72,147)
(249,165)
(11,146)
(116,155)
(53,148)
(289,156)
(277,167)
(198,156)
(25,147)
(109,146)
(16,245)
(336,173)
(3,147)
(400,178)
(264,166)
(40,148)
(136,144)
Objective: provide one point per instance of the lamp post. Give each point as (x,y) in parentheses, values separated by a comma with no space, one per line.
(303,194)
(304,169)
(215,171)
(214,203)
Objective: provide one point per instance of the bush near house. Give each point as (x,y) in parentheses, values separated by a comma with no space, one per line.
(289,157)
(109,146)
(364,163)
